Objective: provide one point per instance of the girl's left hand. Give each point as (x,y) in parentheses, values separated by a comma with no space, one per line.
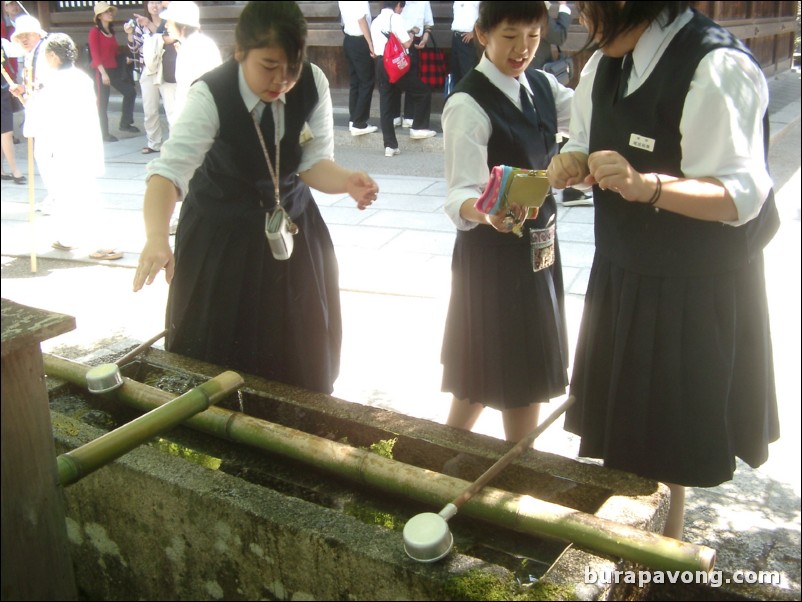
(611,171)
(362,188)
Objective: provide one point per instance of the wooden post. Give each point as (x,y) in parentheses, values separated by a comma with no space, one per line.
(36,563)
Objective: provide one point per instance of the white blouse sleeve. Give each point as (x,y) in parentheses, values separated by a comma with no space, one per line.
(190,139)
(321,125)
(466,130)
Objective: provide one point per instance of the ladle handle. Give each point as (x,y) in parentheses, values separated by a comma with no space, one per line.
(516,451)
(129,357)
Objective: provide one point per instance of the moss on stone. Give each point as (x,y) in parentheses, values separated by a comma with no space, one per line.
(370,515)
(480,585)
(176,449)
(384,447)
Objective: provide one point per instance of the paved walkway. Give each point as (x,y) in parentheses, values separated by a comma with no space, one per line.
(395,279)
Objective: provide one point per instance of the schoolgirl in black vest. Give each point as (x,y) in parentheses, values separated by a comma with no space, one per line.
(231,302)
(505,341)
(673,372)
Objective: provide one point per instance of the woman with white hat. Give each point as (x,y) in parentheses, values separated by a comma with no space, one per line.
(197,52)
(103,47)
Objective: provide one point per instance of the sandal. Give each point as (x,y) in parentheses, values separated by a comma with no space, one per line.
(58,245)
(106,254)
(148,151)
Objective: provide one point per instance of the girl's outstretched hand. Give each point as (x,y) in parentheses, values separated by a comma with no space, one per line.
(362,188)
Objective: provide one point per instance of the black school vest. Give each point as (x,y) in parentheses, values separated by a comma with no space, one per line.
(234,180)
(513,140)
(633,235)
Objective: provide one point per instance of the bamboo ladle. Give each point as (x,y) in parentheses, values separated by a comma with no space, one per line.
(427,537)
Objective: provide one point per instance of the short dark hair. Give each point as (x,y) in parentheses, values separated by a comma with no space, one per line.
(613,19)
(274,25)
(492,14)
(391,4)
(63,47)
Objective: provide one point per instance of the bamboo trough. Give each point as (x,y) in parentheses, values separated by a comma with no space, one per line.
(76,464)
(521,513)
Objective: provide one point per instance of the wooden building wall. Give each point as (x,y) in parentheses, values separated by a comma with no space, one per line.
(767,28)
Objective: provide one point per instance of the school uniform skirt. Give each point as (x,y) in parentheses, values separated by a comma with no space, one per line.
(505,341)
(674,377)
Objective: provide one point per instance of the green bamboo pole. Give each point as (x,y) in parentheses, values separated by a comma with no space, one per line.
(521,513)
(77,463)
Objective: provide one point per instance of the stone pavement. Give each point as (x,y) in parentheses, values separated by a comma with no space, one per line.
(395,279)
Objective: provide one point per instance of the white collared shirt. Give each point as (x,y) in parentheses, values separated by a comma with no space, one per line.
(198,124)
(351,13)
(465,16)
(720,136)
(467,130)
(417,14)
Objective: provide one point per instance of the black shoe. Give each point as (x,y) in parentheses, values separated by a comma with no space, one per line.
(129,128)
(110,138)
(20,180)
(576,198)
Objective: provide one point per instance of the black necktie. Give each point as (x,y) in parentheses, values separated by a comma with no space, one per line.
(266,124)
(526,106)
(626,70)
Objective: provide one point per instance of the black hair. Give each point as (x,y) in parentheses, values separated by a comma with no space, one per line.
(492,14)
(63,47)
(146,10)
(391,4)
(274,25)
(615,18)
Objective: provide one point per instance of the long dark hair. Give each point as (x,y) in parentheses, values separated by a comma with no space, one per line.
(274,25)
(613,18)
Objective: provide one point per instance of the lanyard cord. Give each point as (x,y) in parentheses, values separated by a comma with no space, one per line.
(273,173)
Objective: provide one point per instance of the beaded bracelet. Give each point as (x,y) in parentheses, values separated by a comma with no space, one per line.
(658,189)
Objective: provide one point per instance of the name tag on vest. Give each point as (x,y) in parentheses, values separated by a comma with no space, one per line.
(641,142)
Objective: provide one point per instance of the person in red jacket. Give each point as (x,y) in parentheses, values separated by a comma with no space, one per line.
(103,47)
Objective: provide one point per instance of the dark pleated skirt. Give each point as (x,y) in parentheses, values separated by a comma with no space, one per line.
(504,343)
(231,303)
(674,377)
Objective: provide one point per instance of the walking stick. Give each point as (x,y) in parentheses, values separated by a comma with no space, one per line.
(31,205)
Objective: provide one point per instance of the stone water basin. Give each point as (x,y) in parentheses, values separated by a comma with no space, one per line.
(191,516)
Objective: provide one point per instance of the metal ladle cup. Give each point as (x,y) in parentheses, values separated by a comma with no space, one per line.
(107,377)
(427,537)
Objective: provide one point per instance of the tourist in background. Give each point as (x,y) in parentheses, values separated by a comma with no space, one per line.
(358,50)
(109,72)
(197,52)
(419,22)
(7,106)
(147,45)
(389,20)
(464,54)
(73,148)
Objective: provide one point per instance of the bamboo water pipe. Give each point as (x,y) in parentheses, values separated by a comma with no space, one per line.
(77,463)
(521,513)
